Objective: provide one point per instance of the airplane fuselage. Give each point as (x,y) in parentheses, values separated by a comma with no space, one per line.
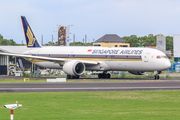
(109,58)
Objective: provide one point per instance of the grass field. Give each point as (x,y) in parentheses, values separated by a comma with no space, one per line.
(126,105)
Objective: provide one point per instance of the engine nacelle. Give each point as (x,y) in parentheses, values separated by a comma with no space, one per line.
(74,68)
(137,72)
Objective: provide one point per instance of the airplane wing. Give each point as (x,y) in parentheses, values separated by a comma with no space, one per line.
(50,59)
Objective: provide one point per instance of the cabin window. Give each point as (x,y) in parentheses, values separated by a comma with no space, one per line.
(115,45)
(163,56)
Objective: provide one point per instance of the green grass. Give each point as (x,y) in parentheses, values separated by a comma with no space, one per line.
(126,105)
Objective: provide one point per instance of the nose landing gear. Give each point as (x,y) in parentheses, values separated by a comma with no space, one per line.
(156,76)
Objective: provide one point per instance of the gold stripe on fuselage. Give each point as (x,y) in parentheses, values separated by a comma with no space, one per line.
(87,59)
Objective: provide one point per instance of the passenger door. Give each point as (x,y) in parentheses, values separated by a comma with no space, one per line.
(146,57)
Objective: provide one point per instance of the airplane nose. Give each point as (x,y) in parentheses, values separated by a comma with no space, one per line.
(167,64)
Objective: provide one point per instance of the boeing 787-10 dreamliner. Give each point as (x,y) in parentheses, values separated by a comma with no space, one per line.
(75,60)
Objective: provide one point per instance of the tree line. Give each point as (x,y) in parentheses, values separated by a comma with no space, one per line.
(149,40)
(6,42)
(134,41)
(50,43)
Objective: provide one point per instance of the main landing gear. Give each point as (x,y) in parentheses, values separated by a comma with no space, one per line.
(72,77)
(104,75)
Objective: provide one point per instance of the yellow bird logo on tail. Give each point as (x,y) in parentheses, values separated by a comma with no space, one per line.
(30,37)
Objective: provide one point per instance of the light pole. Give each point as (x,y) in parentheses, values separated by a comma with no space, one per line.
(53,38)
(68,34)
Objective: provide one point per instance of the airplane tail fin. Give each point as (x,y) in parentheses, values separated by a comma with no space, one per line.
(31,40)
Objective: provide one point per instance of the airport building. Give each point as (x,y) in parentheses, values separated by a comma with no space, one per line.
(8,62)
(111,40)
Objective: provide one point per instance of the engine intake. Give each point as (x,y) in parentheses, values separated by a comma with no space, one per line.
(74,68)
(137,72)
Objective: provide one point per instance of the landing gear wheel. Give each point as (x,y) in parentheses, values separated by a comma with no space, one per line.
(68,76)
(156,77)
(72,77)
(100,75)
(108,75)
(104,75)
(77,77)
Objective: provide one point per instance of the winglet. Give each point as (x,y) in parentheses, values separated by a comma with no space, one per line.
(31,40)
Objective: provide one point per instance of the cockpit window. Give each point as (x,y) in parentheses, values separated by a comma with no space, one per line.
(161,57)
(158,57)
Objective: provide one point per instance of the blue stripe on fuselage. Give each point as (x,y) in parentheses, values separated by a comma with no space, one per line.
(88,56)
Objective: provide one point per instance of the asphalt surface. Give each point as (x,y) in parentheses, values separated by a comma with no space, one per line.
(100,86)
(3,77)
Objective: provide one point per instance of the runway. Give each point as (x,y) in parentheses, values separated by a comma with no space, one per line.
(95,86)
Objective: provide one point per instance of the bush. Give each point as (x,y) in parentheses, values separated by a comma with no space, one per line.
(150,75)
(123,74)
(167,76)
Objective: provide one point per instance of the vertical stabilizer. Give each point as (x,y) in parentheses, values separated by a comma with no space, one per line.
(31,40)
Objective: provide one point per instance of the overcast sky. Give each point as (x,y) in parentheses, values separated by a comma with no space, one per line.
(92,17)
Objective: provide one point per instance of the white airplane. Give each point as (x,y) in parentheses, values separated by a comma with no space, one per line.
(75,60)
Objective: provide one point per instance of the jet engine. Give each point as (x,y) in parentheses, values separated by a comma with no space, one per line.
(137,72)
(74,68)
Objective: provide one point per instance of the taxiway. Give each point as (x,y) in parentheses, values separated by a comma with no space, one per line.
(88,86)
